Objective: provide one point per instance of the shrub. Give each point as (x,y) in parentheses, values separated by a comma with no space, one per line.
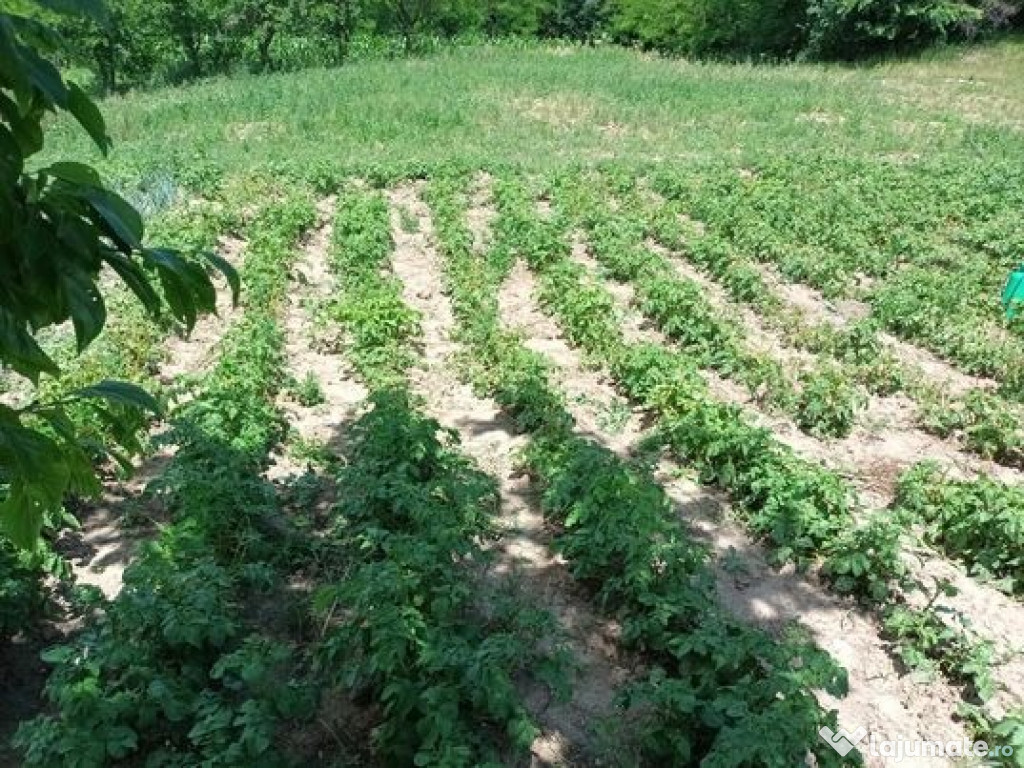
(712,27)
(851,28)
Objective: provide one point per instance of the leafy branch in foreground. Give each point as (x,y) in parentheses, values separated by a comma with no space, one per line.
(59,227)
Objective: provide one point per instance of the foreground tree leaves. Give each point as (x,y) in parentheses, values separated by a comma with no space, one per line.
(59,227)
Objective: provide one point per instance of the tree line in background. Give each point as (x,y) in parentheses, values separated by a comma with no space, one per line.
(147,42)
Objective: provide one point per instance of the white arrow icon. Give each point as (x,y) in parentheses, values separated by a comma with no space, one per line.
(842,742)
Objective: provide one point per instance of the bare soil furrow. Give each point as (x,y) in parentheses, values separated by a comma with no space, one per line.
(307,360)
(839,313)
(601,414)
(882,698)
(524,554)
(192,354)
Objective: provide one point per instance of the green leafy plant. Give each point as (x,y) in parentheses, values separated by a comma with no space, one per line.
(827,404)
(866,561)
(370,309)
(22,596)
(934,637)
(61,226)
(980,521)
(167,675)
(408,623)
(822,399)
(307,391)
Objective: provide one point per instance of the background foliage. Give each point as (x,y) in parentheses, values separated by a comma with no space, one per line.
(148,43)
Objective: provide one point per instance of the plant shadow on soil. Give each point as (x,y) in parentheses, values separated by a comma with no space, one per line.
(341,731)
(115,527)
(97,552)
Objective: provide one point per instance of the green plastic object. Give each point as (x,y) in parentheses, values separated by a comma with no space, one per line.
(1013,293)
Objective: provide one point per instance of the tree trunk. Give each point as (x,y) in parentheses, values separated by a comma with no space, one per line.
(266,39)
(191,46)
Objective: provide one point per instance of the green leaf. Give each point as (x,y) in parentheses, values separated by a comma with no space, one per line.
(76,173)
(44,77)
(122,393)
(133,276)
(120,741)
(122,222)
(93,9)
(88,310)
(89,117)
(10,62)
(38,477)
(187,288)
(19,349)
(230,274)
(10,154)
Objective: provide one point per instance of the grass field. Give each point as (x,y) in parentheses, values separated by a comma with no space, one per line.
(581,408)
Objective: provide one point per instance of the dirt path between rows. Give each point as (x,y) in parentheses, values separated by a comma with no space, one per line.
(309,354)
(489,437)
(817,308)
(600,412)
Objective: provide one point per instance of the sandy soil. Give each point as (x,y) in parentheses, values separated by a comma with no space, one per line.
(311,284)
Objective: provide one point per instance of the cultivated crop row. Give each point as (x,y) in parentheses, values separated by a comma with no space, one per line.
(934,272)
(985,423)
(245,623)
(820,399)
(173,670)
(998,522)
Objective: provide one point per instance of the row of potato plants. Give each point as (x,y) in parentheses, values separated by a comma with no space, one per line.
(821,399)
(803,512)
(716,692)
(934,272)
(985,423)
(369,306)
(978,521)
(418,623)
(174,671)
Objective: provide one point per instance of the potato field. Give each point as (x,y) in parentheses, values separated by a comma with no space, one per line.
(579,408)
